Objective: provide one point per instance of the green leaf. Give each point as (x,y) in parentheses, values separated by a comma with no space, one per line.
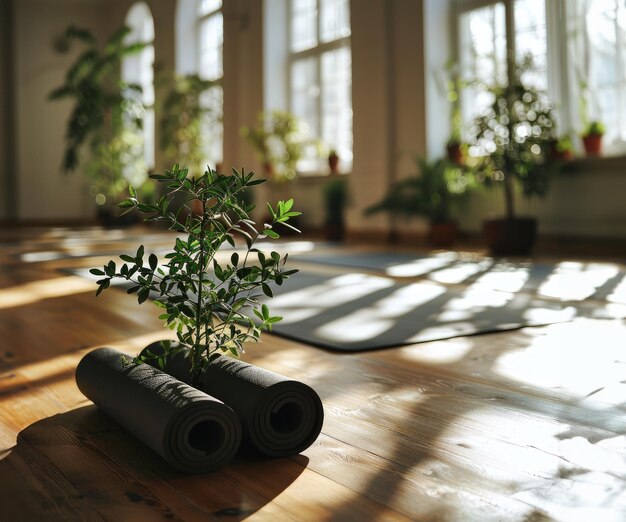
(153,261)
(267,290)
(143,294)
(96,271)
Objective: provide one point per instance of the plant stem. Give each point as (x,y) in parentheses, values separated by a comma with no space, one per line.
(195,360)
(508,190)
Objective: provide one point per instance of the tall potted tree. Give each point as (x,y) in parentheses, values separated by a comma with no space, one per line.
(107,116)
(431,193)
(511,141)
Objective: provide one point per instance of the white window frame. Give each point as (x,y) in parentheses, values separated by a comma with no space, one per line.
(315,52)
(219,81)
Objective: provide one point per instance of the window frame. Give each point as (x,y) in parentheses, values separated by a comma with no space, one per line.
(560,75)
(316,52)
(199,20)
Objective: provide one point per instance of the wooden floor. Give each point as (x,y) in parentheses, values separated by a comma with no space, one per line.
(525,425)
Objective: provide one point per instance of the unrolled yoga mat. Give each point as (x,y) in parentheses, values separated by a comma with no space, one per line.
(192,431)
(355,311)
(566,280)
(279,416)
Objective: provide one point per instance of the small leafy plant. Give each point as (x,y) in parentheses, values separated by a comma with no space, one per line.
(205,300)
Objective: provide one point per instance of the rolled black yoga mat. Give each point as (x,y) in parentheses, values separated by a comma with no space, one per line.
(193,432)
(279,416)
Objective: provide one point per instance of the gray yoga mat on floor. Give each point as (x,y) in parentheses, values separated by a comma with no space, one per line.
(280,417)
(566,280)
(192,431)
(355,311)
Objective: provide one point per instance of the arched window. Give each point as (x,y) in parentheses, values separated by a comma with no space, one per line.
(138,69)
(199,43)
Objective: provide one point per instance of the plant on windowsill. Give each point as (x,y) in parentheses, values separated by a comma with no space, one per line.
(562,149)
(333,162)
(511,142)
(206,301)
(432,193)
(278,143)
(592,138)
(107,116)
(451,84)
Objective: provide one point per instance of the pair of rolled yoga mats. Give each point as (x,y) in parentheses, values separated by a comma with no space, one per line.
(197,430)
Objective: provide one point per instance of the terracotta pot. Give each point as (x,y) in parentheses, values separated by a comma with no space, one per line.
(560,155)
(455,153)
(593,144)
(510,237)
(443,234)
(333,162)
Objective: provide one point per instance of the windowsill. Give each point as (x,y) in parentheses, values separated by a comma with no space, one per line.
(608,164)
(316,177)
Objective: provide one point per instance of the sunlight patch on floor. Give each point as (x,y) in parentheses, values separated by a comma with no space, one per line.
(28,293)
(421,266)
(293,306)
(575,281)
(375,320)
(579,357)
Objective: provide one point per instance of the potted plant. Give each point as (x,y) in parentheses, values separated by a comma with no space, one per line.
(333,162)
(183,117)
(562,149)
(431,193)
(335,199)
(592,138)
(451,85)
(277,141)
(511,141)
(206,301)
(107,116)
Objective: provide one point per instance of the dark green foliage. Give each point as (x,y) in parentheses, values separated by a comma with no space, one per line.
(207,301)
(106,115)
(430,193)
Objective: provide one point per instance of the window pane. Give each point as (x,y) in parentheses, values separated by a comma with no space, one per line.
(210,47)
(531,41)
(208,6)
(305,92)
(482,57)
(337,102)
(606,34)
(334,19)
(212,127)
(303,24)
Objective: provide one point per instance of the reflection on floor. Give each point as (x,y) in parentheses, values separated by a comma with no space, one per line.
(518,425)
